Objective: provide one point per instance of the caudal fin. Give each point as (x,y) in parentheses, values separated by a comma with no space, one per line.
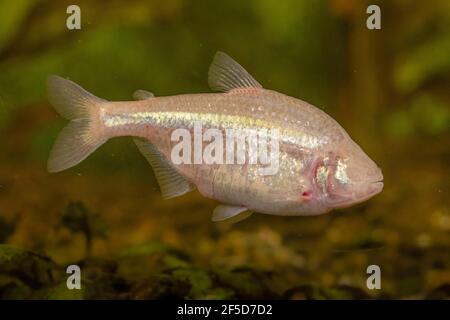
(81,136)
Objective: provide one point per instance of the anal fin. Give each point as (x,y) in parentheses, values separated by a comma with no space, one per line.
(171,183)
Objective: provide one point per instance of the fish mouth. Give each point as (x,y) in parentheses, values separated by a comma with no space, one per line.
(373,189)
(376,187)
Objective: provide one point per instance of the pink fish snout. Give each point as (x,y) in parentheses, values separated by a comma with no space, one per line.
(349,179)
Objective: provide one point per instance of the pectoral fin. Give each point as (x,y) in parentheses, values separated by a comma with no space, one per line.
(172,183)
(224,212)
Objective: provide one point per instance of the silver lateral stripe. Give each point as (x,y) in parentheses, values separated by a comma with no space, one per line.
(187,119)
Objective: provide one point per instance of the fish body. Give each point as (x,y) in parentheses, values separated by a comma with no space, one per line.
(319,167)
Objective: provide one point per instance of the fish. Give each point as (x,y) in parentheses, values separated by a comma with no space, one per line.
(319,167)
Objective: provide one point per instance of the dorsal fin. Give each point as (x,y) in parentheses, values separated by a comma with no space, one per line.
(172,183)
(226,74)
(142,95)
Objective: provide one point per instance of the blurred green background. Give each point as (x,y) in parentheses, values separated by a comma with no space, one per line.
(388,88)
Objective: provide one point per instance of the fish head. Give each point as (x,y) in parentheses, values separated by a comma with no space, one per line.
(346,176)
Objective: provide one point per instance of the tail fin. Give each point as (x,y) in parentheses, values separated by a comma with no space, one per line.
(81,136)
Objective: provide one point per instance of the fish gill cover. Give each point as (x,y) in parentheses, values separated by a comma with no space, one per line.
(388,88)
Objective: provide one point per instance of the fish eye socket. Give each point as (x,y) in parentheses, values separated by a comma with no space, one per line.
(322,177)
(340,172)
(331,173)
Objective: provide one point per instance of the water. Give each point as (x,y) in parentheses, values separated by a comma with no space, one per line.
(107,214)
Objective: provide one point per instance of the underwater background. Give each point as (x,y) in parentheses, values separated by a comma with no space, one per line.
(388,88)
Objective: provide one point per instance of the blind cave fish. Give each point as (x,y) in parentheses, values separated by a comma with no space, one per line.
(318,166)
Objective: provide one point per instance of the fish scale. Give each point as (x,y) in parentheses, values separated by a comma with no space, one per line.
(318,166)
